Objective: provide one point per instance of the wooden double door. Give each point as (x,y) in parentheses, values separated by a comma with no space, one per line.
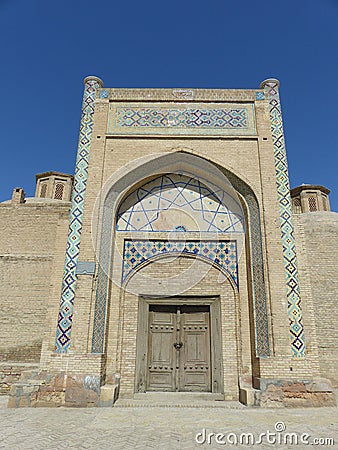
(178,353)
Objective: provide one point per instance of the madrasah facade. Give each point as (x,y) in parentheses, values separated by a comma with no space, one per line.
(175,262)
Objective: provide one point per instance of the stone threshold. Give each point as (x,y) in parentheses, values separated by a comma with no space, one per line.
(177,400)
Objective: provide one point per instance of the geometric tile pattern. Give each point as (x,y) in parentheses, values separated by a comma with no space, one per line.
(196,206)
(100,311)
(181,118)
(221,253)
(65,316)
(258,280)
(260,95)
(103,93)
(257,266)
(289,251)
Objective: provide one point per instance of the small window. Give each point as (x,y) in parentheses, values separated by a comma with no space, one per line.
(59,191)
(43,190)
(297,207)
(325,205)
(312,204)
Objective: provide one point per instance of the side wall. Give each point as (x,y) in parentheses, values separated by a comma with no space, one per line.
(317,240)
(27,247)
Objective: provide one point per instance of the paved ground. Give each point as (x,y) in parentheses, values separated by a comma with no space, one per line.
(161,428)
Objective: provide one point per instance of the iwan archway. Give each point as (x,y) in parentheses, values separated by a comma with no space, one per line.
(185,207)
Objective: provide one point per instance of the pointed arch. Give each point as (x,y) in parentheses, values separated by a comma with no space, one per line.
(148,207)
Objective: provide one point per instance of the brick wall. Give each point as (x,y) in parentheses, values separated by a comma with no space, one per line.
(317,237)
(27,246)
(10,373)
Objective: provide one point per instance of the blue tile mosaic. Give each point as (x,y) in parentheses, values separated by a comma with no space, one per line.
(221,253)
(103,93)
(65,316)
(260,95)
(181,118)
(289,252)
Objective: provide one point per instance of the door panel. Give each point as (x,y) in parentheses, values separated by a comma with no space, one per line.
(195,353)
(161,351)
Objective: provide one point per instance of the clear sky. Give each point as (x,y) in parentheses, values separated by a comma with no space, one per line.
(48,47)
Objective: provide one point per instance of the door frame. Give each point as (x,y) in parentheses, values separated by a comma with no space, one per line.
(214,302)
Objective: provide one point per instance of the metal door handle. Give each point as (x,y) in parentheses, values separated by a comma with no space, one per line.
(178,345)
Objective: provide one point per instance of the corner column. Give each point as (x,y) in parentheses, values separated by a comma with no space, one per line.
(65,316)
(297,339)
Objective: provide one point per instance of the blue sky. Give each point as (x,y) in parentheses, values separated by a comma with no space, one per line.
(47,48)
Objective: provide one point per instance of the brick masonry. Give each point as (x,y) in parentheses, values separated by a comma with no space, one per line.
(28,245)
(317,239)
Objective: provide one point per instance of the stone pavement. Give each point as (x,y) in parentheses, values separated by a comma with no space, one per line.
(159,427)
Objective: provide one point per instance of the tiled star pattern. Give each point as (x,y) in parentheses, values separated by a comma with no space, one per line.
(216,211)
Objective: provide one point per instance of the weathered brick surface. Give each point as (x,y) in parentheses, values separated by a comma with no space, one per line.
(317,240)
(27,249)
(11,373)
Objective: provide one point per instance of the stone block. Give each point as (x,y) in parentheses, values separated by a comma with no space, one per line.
(323,399)
(108,395)
(272,398)
(247,396)
(52,399)
(81,397)
(58,382)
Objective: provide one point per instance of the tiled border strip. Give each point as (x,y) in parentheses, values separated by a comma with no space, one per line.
(63,332)
(289,251)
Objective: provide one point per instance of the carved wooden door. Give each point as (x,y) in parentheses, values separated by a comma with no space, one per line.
(194,372)
(179,348)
